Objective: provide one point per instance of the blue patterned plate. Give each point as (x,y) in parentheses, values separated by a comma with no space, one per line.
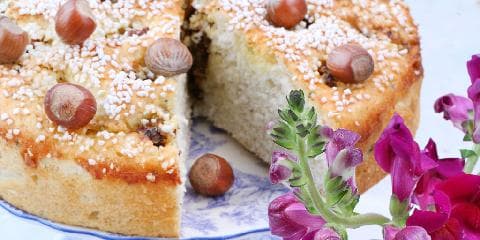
(239,214)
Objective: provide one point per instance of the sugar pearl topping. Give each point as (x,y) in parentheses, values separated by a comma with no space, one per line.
(110,65)
(383,28)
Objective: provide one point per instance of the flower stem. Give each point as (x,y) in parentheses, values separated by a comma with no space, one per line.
(472,160)
(331,217)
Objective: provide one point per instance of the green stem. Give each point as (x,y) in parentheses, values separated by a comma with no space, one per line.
(472,160)
(319,204)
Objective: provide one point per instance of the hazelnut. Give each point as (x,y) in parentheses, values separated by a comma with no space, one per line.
(211,175)
(350,63)
(69,105)
(74,22)
(286,13)
(13,41)
(168,57)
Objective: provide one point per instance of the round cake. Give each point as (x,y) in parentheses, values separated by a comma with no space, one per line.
(123,171)
(250,65)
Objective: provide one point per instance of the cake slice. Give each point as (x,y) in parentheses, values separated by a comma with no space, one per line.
(251,65)
(108,175)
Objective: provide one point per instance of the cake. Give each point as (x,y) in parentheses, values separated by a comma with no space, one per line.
(250,65)
(107,175)
(123,171)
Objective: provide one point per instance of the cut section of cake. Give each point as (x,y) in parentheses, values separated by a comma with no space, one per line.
(251,65)
(124,171)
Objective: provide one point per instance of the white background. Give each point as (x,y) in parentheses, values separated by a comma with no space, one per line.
(450,31)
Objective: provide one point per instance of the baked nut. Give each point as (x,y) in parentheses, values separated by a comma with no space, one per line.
(168,57)
(74,22)
(350,63)
(286,13)
(211,175)
(13,41)
(69,105)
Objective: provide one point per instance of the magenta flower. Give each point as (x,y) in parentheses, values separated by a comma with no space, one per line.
(446,168)
(279,167)
(326,234)
(454,108)
(473,67)
(457,210)
(474,95)
(398,154)
(408,233)
(289,219)
(342,155)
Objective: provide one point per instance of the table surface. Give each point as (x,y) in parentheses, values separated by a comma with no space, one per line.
(449,31)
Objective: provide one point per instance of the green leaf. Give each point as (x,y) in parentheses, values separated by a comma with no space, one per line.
(467,153)
(467,138)
(285,143)
(284,116)
(297,182)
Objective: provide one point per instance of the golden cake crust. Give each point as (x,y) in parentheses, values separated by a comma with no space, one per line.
(107,175)
(385,28)
(110,64)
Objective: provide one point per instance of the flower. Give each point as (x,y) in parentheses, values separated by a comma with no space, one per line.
(398,154)
(327,234)
(474,95)
(473,67)
(408,233)
(289,219)
(279,169)
(457,210)
(342,155)
(454,108)
(446,168)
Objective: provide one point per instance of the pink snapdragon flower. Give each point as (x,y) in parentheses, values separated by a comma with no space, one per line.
(457,210)
(454,108)
(407,233)
(342,155)
(446,168)
(279,169)
(289,219)
(398,154)
(473,67)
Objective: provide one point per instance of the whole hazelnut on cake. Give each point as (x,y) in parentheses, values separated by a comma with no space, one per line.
(69,105)
(13,41)
(350,63)
(168,57)
(286,13)
(74,22)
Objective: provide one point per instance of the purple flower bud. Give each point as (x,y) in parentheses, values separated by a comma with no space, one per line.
(327,234)
(398,154)
(408,233)
(289,219)
(326,132)
(342,155)
(279,169)
(473,67)
(340,139)
(474,95)
(454,108)
(345,162)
